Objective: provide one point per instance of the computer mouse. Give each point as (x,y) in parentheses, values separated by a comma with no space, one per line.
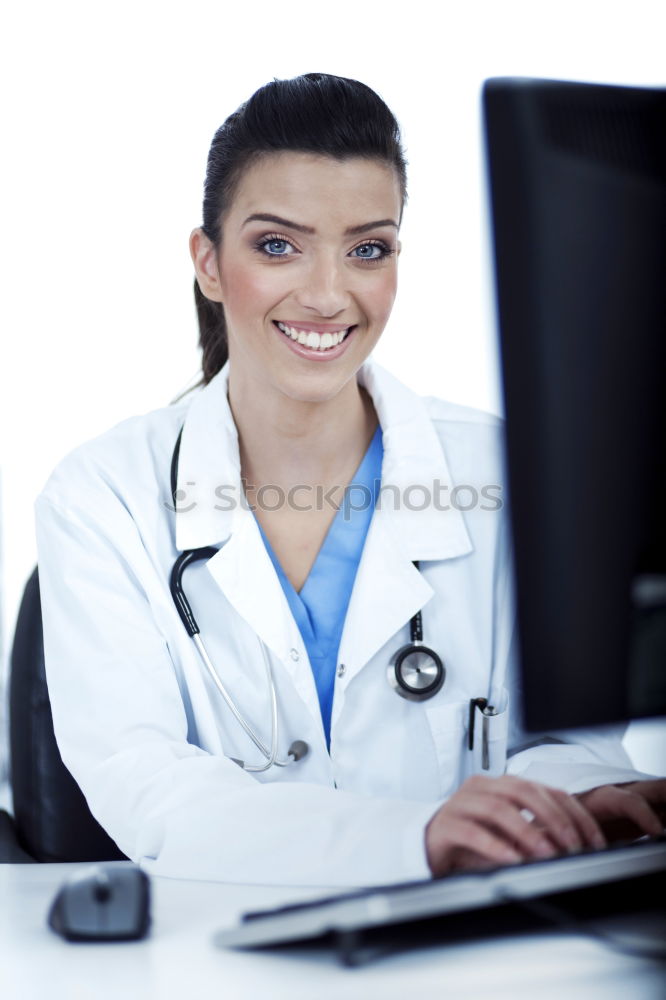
(103,903)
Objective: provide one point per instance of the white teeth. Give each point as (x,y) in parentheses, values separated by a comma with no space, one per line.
(312,339)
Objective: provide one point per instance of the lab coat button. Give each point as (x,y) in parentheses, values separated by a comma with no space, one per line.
(341,670)
(295,655)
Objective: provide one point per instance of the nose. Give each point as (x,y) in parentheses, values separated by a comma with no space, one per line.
(325,288)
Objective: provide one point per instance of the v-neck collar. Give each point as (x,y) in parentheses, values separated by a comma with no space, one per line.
(361,478)
(367,477)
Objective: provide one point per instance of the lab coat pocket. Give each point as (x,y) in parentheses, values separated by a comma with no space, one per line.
(447,721)
(487,735)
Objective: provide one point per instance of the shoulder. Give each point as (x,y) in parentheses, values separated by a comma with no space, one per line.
(462,422)
(130,456)
(471,439)
(455,416)
(400,403)
(464,427)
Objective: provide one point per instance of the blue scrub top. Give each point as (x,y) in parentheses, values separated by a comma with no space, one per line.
(320,607)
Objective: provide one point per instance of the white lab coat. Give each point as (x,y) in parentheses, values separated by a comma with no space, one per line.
(140,723)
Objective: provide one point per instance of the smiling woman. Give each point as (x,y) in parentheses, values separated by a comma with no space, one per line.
(308,734)
(313,280)
(320,116)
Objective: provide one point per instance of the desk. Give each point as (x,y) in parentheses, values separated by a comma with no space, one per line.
(178,960)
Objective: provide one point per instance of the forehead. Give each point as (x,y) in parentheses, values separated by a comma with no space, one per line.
(305,187)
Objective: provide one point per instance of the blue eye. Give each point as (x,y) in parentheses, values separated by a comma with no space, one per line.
(273,243)
(383,254)
(370,246)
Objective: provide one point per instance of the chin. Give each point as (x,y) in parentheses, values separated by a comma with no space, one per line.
(316,387)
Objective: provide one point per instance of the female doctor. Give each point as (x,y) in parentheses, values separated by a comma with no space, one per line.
(327,513)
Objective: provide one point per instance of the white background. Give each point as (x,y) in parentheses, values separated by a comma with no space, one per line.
(108,112)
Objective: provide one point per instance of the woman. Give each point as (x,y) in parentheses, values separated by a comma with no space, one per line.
(299,603)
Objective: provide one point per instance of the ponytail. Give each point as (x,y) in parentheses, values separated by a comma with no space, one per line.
(212,334)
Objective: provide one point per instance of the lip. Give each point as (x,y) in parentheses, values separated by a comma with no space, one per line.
(315,355)
(315,327)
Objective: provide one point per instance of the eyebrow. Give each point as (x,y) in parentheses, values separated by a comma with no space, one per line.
(350,231)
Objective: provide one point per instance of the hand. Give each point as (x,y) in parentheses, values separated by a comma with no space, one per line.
(629,810)
(484,824)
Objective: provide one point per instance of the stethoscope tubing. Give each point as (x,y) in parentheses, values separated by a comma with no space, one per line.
(270,755)
(184,609)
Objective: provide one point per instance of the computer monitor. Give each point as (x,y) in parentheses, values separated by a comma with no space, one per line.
(577,181)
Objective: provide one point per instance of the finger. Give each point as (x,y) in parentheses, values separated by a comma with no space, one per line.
(503,817)
(462,835)
(583,819)
(654,791)
(566,826)
(621,803)
(462,859)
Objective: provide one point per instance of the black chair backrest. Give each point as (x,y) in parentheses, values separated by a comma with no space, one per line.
(52,818)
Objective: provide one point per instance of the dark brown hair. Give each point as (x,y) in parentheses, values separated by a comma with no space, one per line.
(312,113)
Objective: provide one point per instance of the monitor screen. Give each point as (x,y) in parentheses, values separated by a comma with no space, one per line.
(577,182)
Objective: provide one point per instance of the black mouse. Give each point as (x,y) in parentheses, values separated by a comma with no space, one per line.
(103,903)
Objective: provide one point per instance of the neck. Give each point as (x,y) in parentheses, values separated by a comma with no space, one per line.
(284,441)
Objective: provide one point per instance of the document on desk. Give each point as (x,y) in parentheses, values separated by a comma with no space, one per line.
(364,909)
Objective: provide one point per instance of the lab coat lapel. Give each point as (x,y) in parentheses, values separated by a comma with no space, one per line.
(388,590)
(243,571)
(210,497)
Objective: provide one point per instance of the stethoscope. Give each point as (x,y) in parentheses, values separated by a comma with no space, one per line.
(415,671)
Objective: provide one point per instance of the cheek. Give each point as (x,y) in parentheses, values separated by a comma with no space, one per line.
(247,291)
(380,297)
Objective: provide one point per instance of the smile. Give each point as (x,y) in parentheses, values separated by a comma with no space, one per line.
(312,339)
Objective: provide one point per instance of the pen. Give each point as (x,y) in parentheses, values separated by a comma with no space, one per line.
(488,712)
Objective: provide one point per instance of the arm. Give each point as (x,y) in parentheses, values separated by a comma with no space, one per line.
(576,760)
(528,812)
(560,792)
(593,766)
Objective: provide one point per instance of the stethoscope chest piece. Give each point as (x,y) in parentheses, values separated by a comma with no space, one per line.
(416,672)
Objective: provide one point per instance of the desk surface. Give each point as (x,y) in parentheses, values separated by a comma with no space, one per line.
(178,960)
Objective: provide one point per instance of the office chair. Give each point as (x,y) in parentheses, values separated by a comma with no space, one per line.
(52,821)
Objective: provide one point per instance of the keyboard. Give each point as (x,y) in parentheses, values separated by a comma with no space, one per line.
(456,893)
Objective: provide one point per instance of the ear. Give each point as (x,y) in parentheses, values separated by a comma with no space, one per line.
(204,258)
(399,247)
